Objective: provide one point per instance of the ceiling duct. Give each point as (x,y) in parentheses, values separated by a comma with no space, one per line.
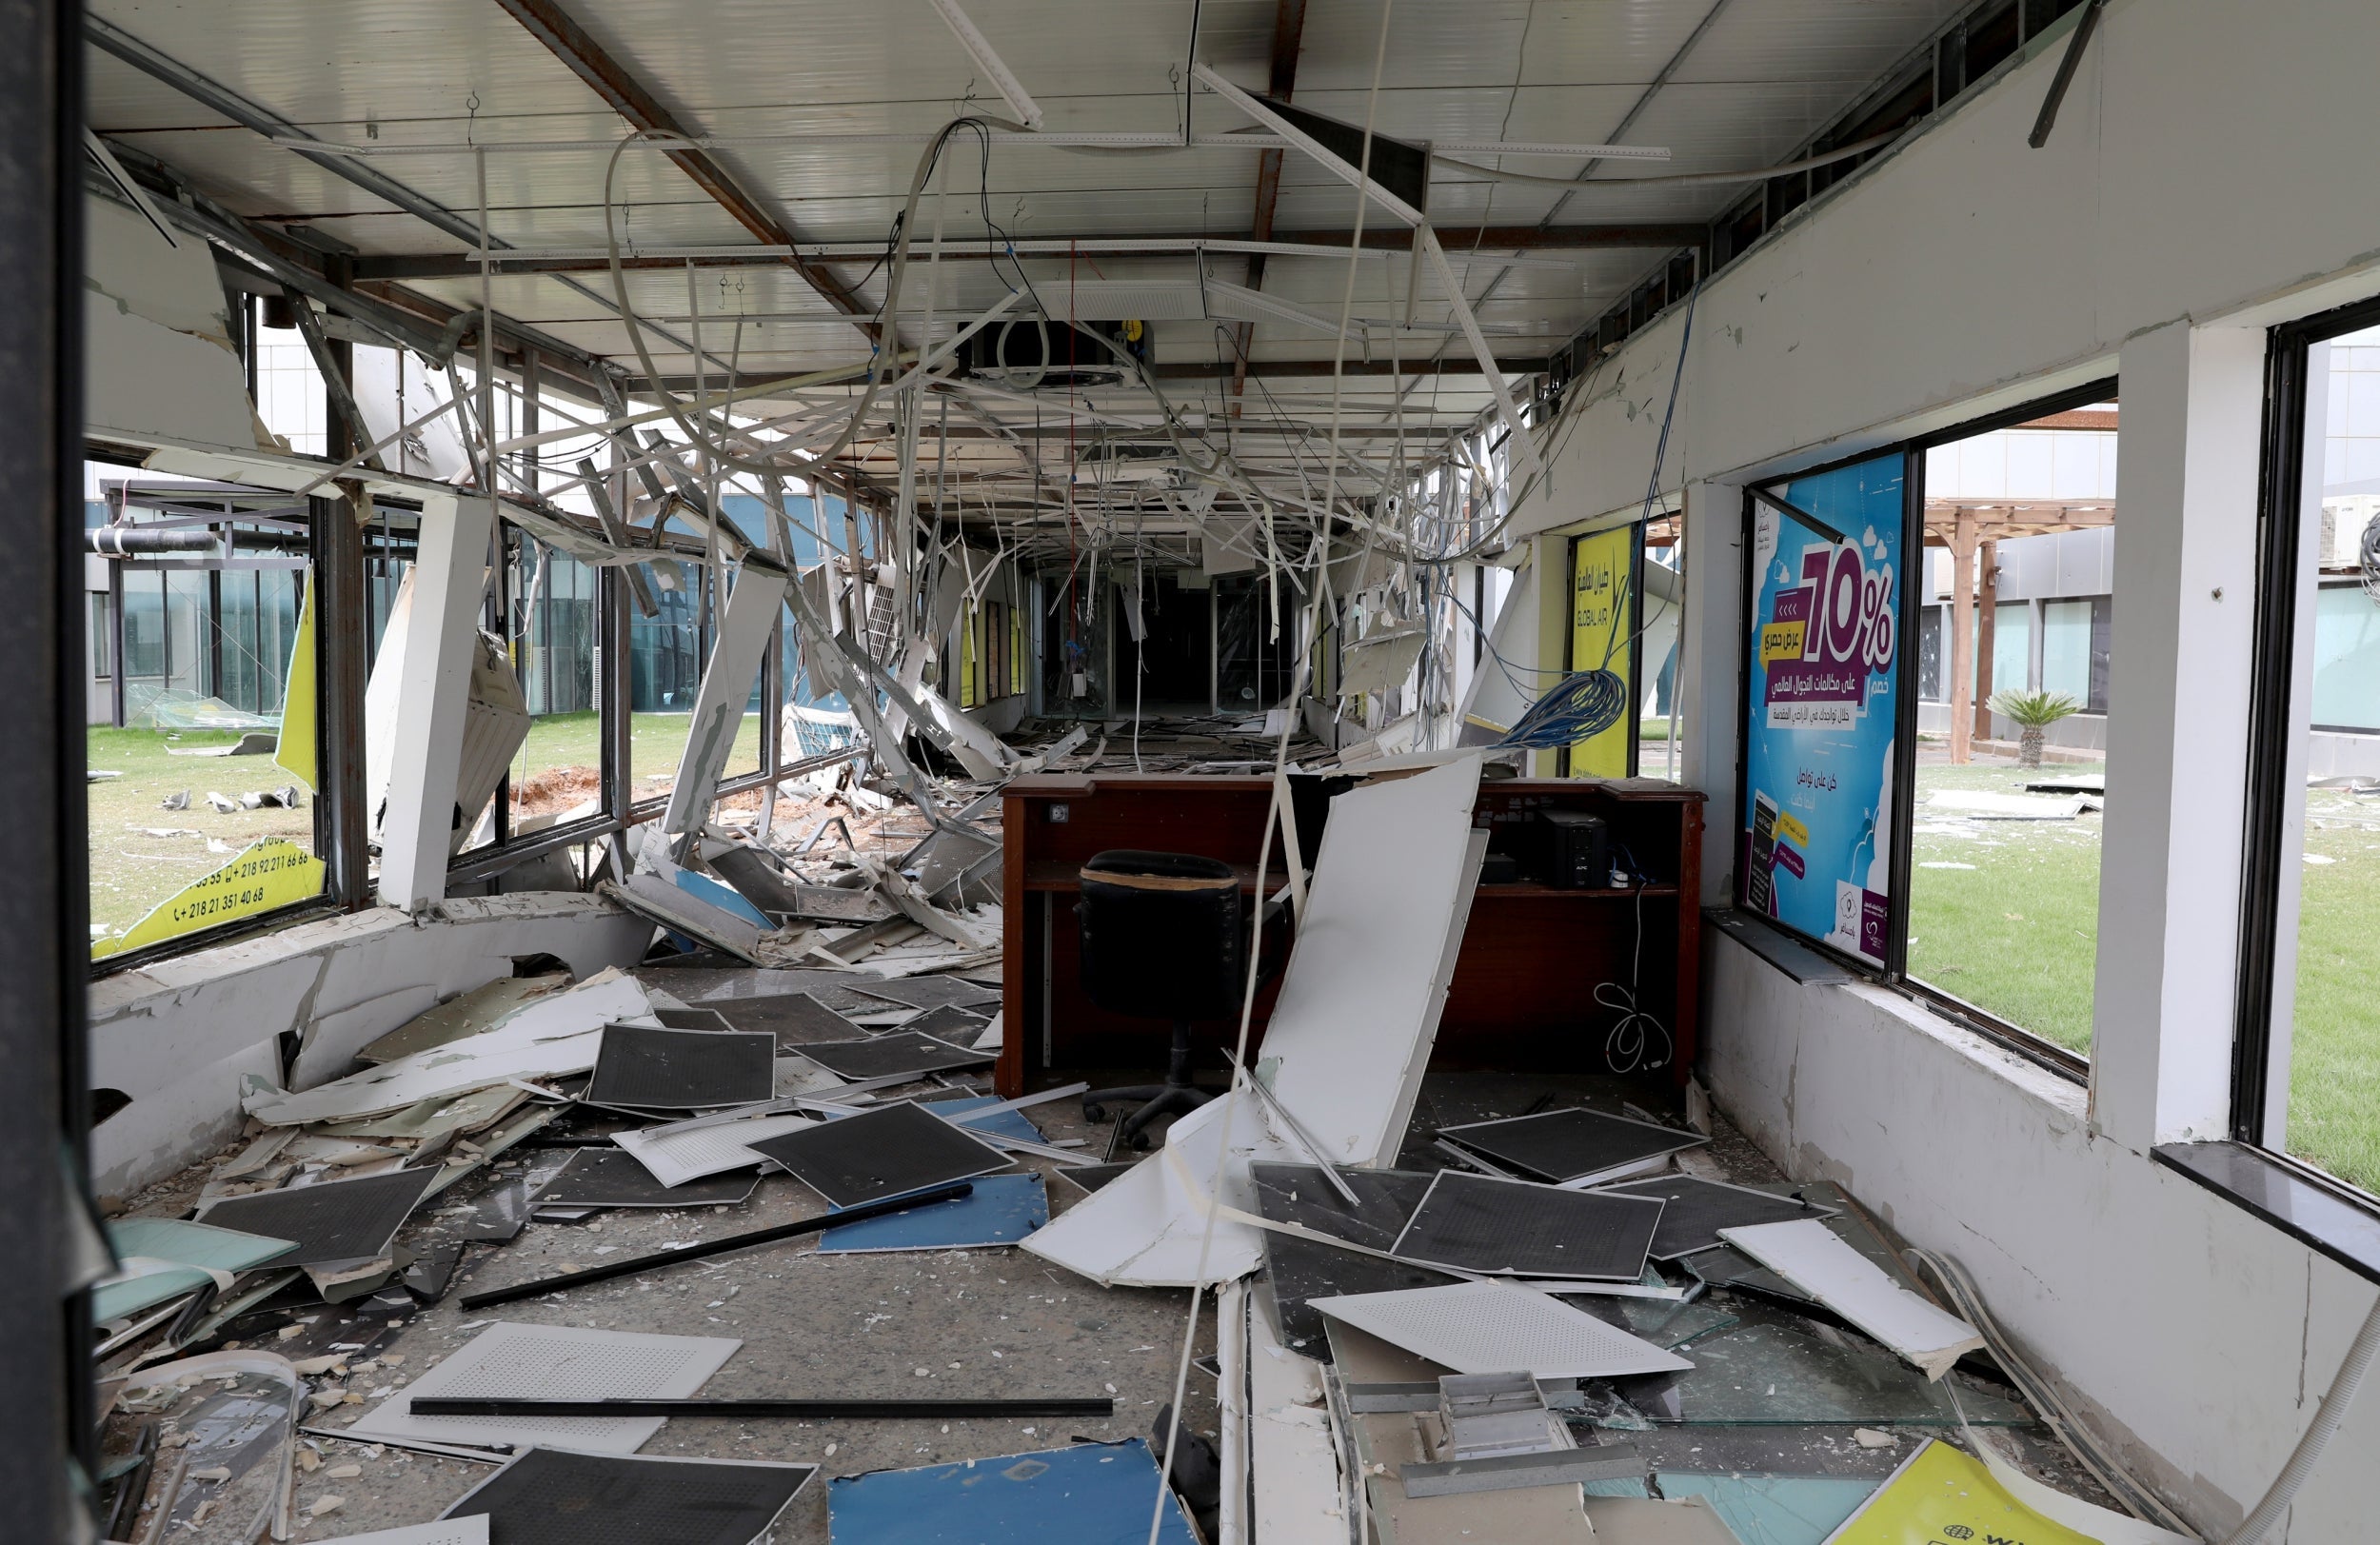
(1035,353)
(1399,165)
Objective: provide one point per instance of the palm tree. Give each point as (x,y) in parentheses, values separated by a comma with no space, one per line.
(2033,712)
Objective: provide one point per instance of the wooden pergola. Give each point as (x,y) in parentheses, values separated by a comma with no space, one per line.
(1968,528)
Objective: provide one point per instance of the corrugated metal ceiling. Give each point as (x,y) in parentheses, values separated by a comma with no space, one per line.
(383,73)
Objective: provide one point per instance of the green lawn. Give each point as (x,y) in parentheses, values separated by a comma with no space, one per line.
(557,766)
(131,871)
(658,741)
(2017,934)
(2335,1063)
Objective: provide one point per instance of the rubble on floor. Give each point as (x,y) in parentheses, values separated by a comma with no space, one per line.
(685,1234)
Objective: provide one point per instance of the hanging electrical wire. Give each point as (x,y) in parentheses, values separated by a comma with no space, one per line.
(1587,703)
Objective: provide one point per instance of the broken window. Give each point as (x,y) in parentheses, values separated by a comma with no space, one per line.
(665,654)
(2308,1058)
(1076,618)
(201,708)
(2011,757)
(552,625)
(1253,665)
(290,397)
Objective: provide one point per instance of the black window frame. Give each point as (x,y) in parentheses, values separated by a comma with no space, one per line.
(2271,730)
(333,760)
(2035,1048)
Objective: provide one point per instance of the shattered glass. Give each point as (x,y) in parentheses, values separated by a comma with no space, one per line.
(1770,1374)
(1667,1326)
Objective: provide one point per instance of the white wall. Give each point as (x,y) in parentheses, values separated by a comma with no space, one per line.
(178,1035)
(2209,160)
(2210,176)
(2198,1337)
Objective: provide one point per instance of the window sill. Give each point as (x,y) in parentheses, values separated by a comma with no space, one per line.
(2045,1054)
(229,933)
(1811,967)
(2311,1208)
(1790,955)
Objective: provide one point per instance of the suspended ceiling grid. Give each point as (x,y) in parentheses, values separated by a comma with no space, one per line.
(1760,76)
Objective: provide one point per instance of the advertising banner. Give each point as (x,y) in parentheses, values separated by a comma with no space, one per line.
(1823,703)
(1603,637)
(270,874)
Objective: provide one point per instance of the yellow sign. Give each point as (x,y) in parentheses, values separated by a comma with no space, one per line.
(1602,637)
(294,752)
(1781,641)
(1790,829)
(966,659)
(1943,1497)
(271,874)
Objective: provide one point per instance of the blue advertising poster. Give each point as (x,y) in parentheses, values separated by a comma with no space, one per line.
(1817,838)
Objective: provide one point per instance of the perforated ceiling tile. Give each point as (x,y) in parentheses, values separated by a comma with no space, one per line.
(679,1156)
(1001,1210)
(1300,1271)
(550,1362)
(1497,1328)
(471,1530)
(838,990)
(1484,1223)
(904,1052)
(650,1069)
(951,1022)
(792,1018)
(1694,1210)
(1568,1145)
(691,1018)
(933,992)
(1299,1194)
(881,1153)
(611,1178)
(551,1497)
(330,1220)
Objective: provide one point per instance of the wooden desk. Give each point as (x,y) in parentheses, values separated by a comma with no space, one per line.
(1532,956)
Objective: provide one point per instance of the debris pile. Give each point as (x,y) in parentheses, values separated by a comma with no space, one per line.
(758,1180)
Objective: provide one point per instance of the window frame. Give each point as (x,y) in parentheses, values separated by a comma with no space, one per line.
(345,853)
(2035,1048)
(329,753)
(2271,728)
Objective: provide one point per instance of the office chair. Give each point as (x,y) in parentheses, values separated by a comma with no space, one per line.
(1164,937)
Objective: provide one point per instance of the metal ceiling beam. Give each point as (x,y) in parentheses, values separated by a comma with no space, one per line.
(1457,240)
(1253,429)
(217,97)
(612,80)
(263,260)
(1460,239)
(1271,370)
(1289,25)
(105,35)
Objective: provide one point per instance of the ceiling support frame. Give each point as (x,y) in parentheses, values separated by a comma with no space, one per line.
(628,96)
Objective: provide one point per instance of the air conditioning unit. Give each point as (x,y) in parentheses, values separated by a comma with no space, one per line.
(1111,461)
(1032,353)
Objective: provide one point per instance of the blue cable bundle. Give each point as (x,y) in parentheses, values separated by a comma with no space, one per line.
(1581,705)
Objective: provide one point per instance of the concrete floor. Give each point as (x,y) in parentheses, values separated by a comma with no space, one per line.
(964,1323)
